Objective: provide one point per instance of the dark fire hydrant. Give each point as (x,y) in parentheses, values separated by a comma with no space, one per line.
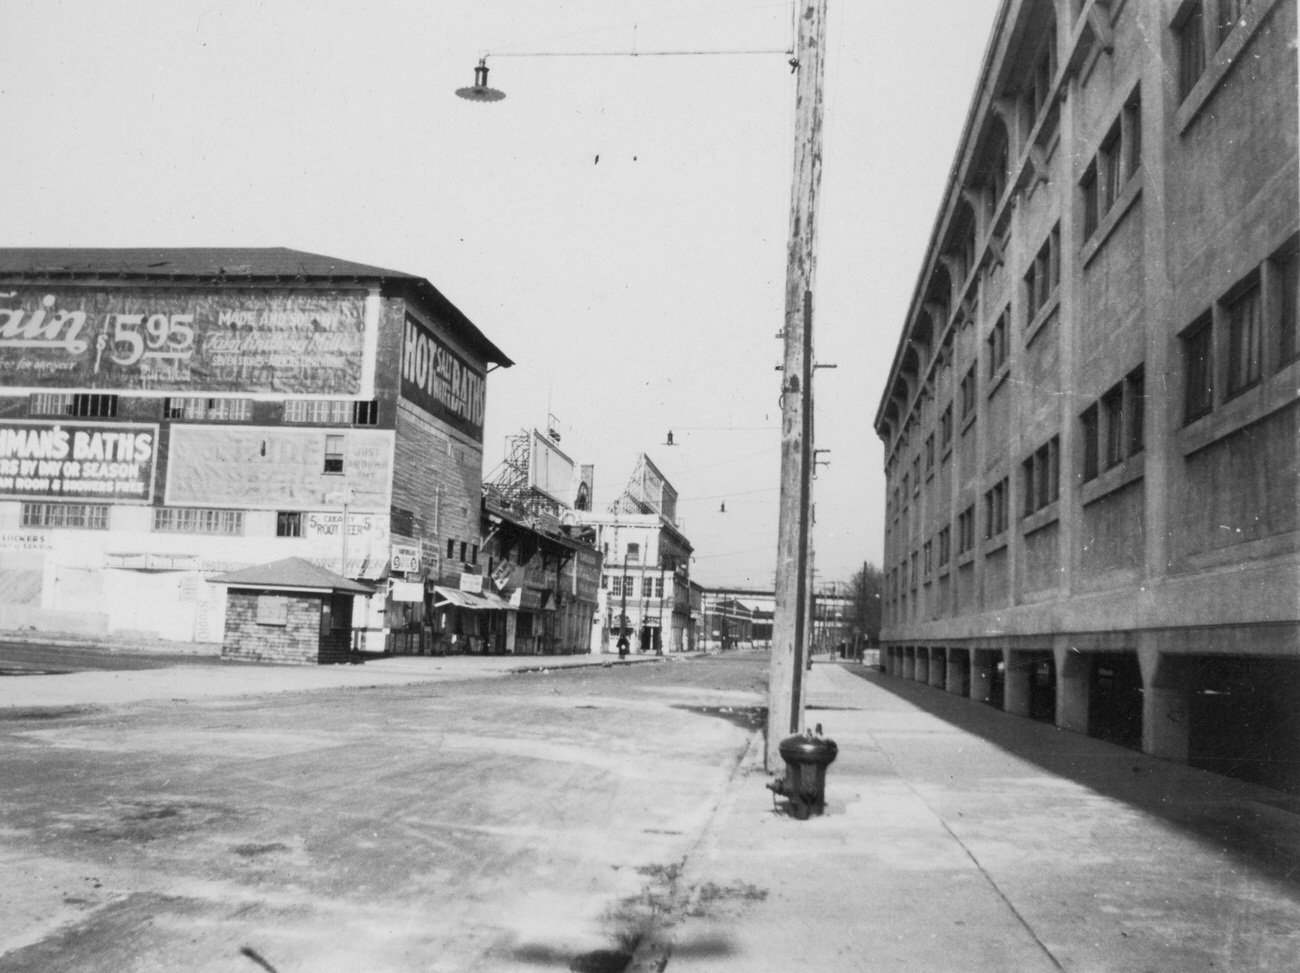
(806,756)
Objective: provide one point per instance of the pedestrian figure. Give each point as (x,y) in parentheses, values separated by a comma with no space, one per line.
(622,646)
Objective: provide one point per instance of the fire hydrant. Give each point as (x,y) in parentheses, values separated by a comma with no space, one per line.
(806,756)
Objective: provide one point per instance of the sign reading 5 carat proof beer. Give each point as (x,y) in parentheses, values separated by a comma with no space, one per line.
(185,340)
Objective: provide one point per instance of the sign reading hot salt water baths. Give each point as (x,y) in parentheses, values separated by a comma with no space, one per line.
(441,382)
(77,460)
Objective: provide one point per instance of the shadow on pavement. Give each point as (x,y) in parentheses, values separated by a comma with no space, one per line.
(1260,826)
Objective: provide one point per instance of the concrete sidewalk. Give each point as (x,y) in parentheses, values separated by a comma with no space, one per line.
(208,680)
(959,838)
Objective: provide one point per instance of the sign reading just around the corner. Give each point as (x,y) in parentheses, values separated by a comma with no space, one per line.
(77,461)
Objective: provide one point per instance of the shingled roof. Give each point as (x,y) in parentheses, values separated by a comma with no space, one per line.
(291,574)
(232,265)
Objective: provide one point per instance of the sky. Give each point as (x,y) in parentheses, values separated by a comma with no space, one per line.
(617,225)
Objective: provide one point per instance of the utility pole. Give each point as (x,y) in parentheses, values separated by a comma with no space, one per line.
(790,625)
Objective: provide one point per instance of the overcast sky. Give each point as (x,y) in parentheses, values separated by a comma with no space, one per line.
(617,225)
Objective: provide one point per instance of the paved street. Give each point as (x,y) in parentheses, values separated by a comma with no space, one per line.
(610,818)
(488,823)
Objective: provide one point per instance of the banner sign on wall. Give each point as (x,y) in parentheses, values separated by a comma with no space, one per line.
(183,340)
(279,467)
(405,558)
(111,463)
(440,382)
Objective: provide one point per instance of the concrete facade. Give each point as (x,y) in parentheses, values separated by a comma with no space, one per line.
(1090,425)
(177,414)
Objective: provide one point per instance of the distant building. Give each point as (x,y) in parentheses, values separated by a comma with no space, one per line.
(645,578)
(740,615)
(167,415)
(534,589)
(1091,419)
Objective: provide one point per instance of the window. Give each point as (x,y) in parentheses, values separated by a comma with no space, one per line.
(86,404)
(50,404)
(945,427)
(1091,437)
(1136,403)
(332,412)
(929,452)
(1190,29)
(1117,161)
(966,530)
(1112,412)
(927,555)
(1044,275)
(1245,323)
(995,510)
(1198,394)
(184,520)
(1038,90)
(906,491)
(913,572)
(1091,202)
(473,554)
(1042,476)
(451,549)
(1111,167)
(916,475)
(997,342)
(85,516)
(464,549)
(1231,13)
(333,454)
(212,410)
(272,610)
(968,394)
(288,524)
(616,586)
(945,546)
(634,552)
(1288,307)
(401,521)
(659,587)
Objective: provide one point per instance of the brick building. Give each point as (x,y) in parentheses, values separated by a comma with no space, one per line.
(170,415)
(1090,423)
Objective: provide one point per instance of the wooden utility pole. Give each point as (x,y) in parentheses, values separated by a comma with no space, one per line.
(790,625)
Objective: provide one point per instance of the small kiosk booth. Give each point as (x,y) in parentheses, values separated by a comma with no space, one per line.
(288,611)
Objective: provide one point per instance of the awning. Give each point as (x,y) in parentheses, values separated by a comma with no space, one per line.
(468,599)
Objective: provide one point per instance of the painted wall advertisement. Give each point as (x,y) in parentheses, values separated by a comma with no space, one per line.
(183,340)
(111,463)
(279,468)
(440,382)
(586,572)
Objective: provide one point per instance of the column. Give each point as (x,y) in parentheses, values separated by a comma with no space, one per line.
(1165,704)
(983,664)
(1017,682)
(958,667)
(1073,680)
(938,668)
